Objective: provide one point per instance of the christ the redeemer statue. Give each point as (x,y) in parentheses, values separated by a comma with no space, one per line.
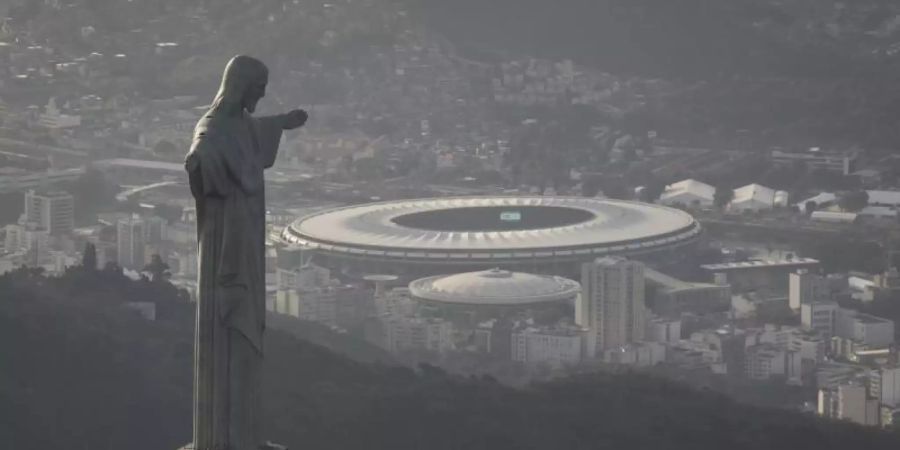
(225,167)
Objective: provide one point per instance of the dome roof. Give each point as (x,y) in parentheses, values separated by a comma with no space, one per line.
(494,287)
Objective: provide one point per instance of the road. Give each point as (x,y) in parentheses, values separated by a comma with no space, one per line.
(41,147)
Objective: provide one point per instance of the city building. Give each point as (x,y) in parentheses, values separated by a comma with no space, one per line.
(53,118)
(51,211)
(644,354)
(404,334)
(806,287)
(184,262)
(155,229)
(755,197)
(130,242)
(849,402)
(663,330)
(671,296)
(834,216)
(612,306)
(842,162)
(764,361)
(688,193)
(758,274)
(494,337)
(319,305)
(819,317)
(811,346)
(28,244)
(556,346)
(884,384)
(864,329)
(395,302)
(759,304)
(306,277)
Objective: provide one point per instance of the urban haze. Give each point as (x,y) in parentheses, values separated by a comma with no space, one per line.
(427,224)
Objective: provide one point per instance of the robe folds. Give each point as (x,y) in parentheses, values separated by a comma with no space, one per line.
(225,168)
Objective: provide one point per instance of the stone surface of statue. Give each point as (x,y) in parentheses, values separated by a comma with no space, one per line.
(231,148)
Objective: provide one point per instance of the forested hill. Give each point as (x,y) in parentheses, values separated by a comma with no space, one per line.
(677,38)
(79,371)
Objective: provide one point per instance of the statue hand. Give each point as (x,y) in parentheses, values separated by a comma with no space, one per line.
(295,119)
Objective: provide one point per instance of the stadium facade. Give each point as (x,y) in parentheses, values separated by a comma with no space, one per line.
(549,235)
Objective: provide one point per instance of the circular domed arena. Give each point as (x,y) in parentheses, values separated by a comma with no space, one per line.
(493,293)
(551,235)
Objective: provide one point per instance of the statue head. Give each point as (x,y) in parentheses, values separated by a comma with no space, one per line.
(243,84)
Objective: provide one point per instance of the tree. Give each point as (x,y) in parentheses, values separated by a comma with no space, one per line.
(854,201)
(159,270)
(723,197)
(652,191)
(89,258)
(616,188)
(810,207)
(590,185)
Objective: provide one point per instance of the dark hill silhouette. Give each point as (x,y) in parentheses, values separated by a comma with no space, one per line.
(79,371)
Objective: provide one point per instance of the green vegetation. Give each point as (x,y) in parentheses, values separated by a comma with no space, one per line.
(79,371)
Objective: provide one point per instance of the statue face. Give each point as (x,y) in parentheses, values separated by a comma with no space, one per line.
(255,91)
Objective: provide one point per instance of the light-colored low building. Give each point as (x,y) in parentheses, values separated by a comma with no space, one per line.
(642,354)
(834,216)
(756,197)
(319,305)
(403,334)
(849,402)
(688,192)
(663,330)
(865,329)
(555,346)
(671,296)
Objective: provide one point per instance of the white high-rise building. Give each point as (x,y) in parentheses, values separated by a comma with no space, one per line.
(130,242)
(611,307)
(53,211)
(805,287)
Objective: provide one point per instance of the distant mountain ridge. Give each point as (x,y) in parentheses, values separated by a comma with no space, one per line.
(677,38)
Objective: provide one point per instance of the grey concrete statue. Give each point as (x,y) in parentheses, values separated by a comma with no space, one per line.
(225,167)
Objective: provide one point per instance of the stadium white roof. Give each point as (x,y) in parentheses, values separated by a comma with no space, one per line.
(760,195)
(610,226)
(689,187)
(755,193)
(494,287)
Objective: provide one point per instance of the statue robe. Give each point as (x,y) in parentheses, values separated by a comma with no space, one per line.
(225,169)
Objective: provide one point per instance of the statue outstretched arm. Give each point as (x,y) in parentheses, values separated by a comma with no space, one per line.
(269,130)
